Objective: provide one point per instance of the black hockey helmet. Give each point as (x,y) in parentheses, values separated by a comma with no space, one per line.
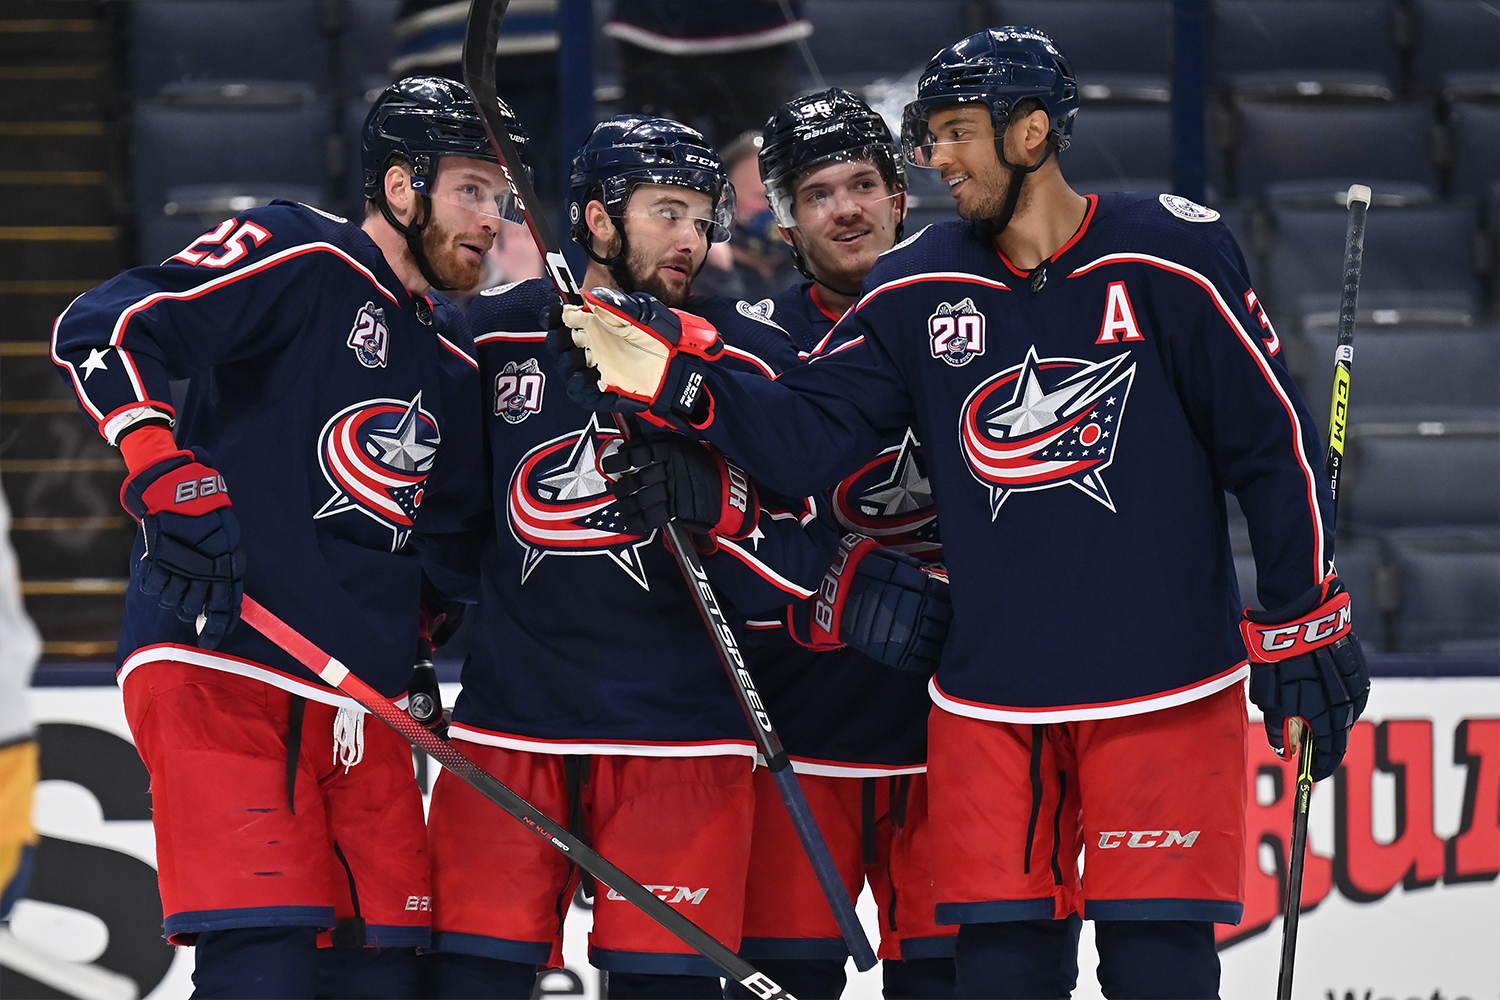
(1001,67)
(628,150)
(817,129)
(421,119)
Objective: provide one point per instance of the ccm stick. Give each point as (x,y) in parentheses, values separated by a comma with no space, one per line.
(1338,427)
(480,38)
(585,857)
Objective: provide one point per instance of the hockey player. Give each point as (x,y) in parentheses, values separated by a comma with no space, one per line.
(327,392)
(856,731)
(1088,376)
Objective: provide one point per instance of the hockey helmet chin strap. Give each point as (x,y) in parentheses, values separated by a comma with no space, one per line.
(413,232)
(1018,175)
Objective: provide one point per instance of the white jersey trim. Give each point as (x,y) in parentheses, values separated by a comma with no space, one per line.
(1080,713)
(762,570)
(826,769)
(668,45)
(708,748)
(501,336)
(172,653)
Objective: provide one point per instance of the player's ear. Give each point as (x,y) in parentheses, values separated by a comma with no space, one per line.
(1034,130)
(399,193)
(601,228)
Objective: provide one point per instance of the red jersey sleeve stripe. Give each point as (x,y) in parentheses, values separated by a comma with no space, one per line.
(450,345)
(763,571)
(1262,364)
(500,336)
(913,279)
(751,359)
(83,396)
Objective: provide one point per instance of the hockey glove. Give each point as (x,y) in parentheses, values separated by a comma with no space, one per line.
(1307,664)
(884,603)
(670,478)
(638,355)
(194,563)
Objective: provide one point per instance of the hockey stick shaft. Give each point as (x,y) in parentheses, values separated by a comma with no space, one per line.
(1338,430)
(480,36)
(335,673)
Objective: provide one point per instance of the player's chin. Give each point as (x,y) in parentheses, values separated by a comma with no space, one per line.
(461,271)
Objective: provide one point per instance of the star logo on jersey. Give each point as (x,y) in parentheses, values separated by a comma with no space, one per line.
(93,363)
(956,332)
(1044,423)
(376,455)
(560,505)
(890,500)
(370,337)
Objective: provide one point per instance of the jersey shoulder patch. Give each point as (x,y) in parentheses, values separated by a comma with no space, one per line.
(1188,211)
(762,311)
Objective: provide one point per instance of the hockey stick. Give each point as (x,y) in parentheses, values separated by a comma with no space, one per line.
(585,857)
(1338,427)
(480,37)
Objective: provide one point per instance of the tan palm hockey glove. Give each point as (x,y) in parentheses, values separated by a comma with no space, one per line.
(635,346)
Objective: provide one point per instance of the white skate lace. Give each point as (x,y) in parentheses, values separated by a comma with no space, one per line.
(349,737)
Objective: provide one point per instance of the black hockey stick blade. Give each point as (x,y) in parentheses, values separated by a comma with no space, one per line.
(792,796)
(335,673)
(480,37)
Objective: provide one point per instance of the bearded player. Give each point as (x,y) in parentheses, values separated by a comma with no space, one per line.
(328,390)
(1088,376)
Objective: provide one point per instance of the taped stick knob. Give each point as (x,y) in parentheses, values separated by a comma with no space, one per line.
(1358,192)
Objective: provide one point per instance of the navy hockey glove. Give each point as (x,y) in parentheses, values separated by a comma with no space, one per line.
(194,563)
(638,355)
(670,478)
(1307,664)
(884,603)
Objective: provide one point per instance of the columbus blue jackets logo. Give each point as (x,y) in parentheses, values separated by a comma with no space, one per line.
(376,455)
(1046,422)
(560,505)
(370,338)
(956,332)
(518,390)
(890,500)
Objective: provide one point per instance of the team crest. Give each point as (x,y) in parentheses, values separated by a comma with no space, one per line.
(761,312)
(1045,423)
(370,338)
(376,455)
(518,390)
(560,505)
(890,500)
(1189,211)
(956,332)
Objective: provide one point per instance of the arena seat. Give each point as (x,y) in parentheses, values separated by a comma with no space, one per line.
(177,145)
(1304,35)
(1476,134)
(1453,35)
(855,42)
(1100,36)
(1367,142)
(1119,143)
(366,46)
(1449,584)
(1423,248)
(175,40)
(1420,475)
(1413,373)
(1360,567)
(193,209)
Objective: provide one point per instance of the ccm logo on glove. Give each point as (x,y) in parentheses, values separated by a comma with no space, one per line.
(1326,623)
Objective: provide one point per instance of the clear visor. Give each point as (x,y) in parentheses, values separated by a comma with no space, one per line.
(675,215)
(492,200)
(919,145)
(856,185)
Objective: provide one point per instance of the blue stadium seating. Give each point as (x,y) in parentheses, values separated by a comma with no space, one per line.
(1414,373)
(1413,478)
(1359,563)
(857,41)
(175,40)
(1407,248)
(193,209)
(1476,134)
(1304,35)
(1120,144)
(173,146)
(1364,143)
(1449,581)
(366,45)
(1453,36)
(1100,36)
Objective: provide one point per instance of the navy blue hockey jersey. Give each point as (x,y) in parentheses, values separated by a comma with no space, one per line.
(839,712)
(1080,425)
(585,638)
(328,396)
